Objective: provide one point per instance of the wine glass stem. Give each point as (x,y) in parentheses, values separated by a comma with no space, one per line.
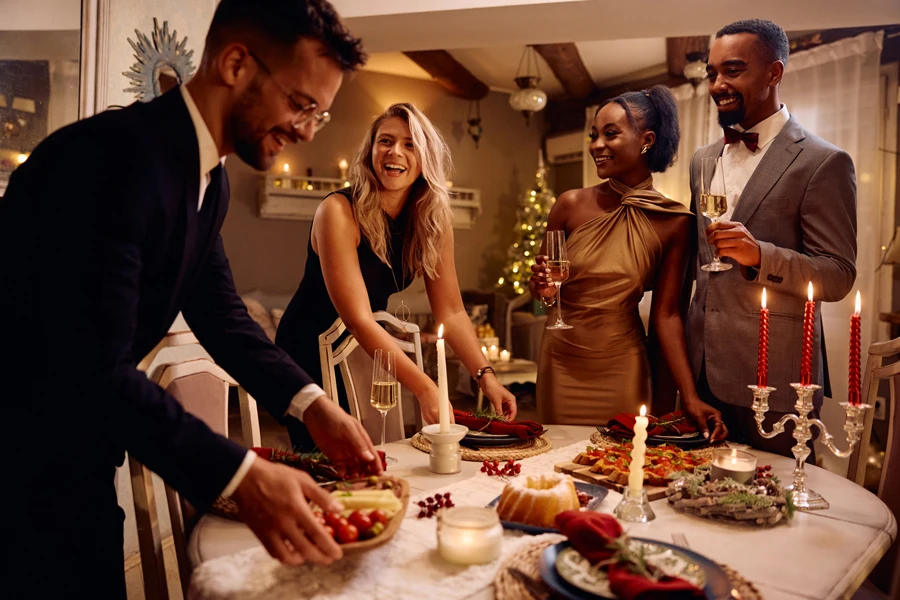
(558,304)
(383,422)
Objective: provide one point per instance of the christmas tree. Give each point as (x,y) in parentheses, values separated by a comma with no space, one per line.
(534,207)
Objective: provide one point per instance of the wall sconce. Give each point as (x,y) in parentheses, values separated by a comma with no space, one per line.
(474,120)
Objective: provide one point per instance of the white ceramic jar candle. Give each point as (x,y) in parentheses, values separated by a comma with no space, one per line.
(469,535)
(733,463)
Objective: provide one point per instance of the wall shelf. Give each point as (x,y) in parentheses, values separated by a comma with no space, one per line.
(297,198)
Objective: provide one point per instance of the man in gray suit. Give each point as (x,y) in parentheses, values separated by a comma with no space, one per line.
(791,219)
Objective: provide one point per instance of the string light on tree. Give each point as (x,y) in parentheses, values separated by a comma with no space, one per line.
(534,207)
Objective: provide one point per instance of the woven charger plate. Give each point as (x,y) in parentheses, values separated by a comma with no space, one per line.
(606,441)
(523,449)
(507,587)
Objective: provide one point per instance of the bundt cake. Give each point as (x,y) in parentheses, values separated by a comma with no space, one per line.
(537,500)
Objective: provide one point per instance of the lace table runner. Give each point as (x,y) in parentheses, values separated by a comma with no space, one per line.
(407,567)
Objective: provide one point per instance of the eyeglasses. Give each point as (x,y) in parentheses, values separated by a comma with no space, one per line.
(304,113)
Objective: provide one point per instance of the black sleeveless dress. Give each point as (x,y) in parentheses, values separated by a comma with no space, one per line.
(311,310)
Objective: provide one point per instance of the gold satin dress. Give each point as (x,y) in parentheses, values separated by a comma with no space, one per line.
(599,368)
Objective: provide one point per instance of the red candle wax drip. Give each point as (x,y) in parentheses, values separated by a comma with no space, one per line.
(762,357)
(854,394)
(809,318)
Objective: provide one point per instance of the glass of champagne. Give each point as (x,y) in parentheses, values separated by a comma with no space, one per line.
(713,202)
(558,263)
(385,389)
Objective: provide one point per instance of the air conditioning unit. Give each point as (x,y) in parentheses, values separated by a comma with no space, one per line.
(566,148)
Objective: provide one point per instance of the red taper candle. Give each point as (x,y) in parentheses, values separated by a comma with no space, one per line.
(809,323)
(854,391)
(762,356)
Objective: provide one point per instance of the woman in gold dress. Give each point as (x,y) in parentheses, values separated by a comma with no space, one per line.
(622,237)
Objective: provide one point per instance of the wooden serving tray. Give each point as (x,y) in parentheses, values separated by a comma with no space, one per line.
(584,473)
(401,489)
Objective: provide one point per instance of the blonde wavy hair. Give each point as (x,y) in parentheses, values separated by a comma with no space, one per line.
(429,199)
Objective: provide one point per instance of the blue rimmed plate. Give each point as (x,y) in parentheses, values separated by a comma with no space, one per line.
(598,493)
(579,578)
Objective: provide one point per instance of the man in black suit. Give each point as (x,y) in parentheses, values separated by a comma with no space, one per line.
(108,231)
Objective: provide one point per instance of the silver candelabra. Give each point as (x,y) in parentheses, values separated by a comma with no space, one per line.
(804,498)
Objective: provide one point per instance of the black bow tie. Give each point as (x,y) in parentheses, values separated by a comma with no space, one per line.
(733,136)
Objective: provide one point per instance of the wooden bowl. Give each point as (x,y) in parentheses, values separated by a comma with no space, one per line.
(400,489)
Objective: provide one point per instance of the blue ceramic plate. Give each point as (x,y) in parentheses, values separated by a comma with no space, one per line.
(598,493)
(718,586)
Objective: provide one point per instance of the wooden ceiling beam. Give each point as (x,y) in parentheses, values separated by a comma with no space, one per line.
(566,64)
(568,115)
(448,72)
(677,49)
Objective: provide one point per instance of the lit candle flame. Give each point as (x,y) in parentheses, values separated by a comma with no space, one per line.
(733,456)
(342,165)
(643,410)
(287,168)
(440,332)
(764,298)
(857,303)
(809,292)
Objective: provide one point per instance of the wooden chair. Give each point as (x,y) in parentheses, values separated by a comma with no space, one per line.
(887,574)
(340,357)
(201,387)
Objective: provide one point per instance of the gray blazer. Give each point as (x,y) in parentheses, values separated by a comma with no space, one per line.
(800,204)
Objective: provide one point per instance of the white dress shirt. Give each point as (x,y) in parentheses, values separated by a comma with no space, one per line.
(209,158)
(739,163)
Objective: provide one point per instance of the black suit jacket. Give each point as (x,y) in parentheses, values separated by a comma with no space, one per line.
(101,245)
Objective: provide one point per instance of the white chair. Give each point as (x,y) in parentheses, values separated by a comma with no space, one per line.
(355,369)
(887,573)
(201,387)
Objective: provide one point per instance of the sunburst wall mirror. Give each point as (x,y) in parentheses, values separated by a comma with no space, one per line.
(161,64)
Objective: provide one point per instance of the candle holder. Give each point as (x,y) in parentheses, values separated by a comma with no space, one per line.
(805,498)
(444,458)
(634,508)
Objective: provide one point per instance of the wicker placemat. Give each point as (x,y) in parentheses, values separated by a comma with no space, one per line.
(606,441)
(507,587)
(523,449)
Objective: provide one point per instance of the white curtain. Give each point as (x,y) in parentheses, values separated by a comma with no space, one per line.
(836,92)
(839,93)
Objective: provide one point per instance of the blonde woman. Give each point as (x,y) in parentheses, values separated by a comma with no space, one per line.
(370,241)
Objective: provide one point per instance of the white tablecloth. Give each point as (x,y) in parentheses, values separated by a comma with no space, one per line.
(819,555)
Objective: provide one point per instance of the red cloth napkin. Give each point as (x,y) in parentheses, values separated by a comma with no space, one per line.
(520,429)
(592,533)
(673,423)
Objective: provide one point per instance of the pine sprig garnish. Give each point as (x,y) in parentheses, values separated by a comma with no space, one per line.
(488,414)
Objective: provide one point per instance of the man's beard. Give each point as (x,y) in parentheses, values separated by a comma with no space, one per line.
(248,143)
(732,117)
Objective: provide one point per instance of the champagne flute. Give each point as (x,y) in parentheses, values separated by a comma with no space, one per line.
(558,263)
(385,389)
(713,201)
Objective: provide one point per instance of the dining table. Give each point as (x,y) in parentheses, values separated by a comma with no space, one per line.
(817,555)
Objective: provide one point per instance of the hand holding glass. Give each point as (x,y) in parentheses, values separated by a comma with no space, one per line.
(713,201)
(558,263)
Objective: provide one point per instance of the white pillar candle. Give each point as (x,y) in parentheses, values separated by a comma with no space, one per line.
(636,473)
(504,356)
(484,351)
(493,353)
(443,393)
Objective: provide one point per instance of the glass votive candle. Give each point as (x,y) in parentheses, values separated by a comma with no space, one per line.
(733,463)
(504,356)
(469,535)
